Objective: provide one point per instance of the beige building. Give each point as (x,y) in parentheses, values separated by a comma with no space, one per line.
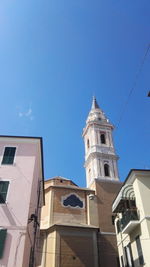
(76,226)
(132,219)
(69,225)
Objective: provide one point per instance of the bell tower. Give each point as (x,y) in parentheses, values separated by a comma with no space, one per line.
(100,156)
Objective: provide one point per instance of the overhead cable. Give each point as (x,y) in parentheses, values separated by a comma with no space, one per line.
(133,86)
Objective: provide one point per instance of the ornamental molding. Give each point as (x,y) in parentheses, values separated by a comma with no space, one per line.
(73,201)
(101,156)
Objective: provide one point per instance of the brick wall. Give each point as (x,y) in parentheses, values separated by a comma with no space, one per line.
(106,193)
(68,214)
(107,246)
(77,249)
(108,252)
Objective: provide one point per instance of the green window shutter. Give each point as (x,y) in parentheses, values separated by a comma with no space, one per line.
(9,154)
(3,233)
(3,191)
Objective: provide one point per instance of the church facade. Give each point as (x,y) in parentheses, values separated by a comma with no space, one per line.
(76,223)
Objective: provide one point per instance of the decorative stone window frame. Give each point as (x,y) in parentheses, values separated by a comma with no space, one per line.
(69,206)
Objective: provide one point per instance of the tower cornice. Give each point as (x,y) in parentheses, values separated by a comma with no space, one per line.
(103,156)
(106,125)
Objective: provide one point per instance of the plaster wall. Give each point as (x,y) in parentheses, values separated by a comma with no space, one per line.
(141,187)
(47,249)
(14,213)
(46,211)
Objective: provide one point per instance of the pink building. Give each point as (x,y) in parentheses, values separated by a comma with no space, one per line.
(21,197)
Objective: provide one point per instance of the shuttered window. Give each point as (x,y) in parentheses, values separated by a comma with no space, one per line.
(9,154)
(3,191)
(3,233)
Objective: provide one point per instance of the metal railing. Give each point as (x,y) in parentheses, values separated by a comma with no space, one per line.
(127,216)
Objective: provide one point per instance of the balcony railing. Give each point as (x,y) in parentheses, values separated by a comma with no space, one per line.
(128,216)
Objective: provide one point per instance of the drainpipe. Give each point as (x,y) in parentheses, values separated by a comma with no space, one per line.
(34,217)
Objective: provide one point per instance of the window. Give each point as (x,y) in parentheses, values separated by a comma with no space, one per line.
(113,219)
(73,201)
(88,143)
(3,233)
(106,169)
(89,173)
(3,191)
(9,154)
(139,250)
(122,262)
(118,226)
(129,257)
(103,138)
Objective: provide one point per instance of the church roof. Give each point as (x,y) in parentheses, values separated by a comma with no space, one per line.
(58,177)
(61,179)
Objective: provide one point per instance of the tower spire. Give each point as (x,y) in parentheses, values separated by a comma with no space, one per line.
(96,113)
(94,103)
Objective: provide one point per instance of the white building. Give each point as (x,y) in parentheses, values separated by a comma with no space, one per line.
(132,219)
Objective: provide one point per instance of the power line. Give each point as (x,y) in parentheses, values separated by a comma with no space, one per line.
(133,86)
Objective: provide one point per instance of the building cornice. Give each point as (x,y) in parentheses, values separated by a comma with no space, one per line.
(99,125)
(70,225)
(100,155)
(70,187)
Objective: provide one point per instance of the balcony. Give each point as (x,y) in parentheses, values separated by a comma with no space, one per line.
(129,221)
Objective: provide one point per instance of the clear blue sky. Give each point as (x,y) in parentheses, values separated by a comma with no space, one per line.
(54,55)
